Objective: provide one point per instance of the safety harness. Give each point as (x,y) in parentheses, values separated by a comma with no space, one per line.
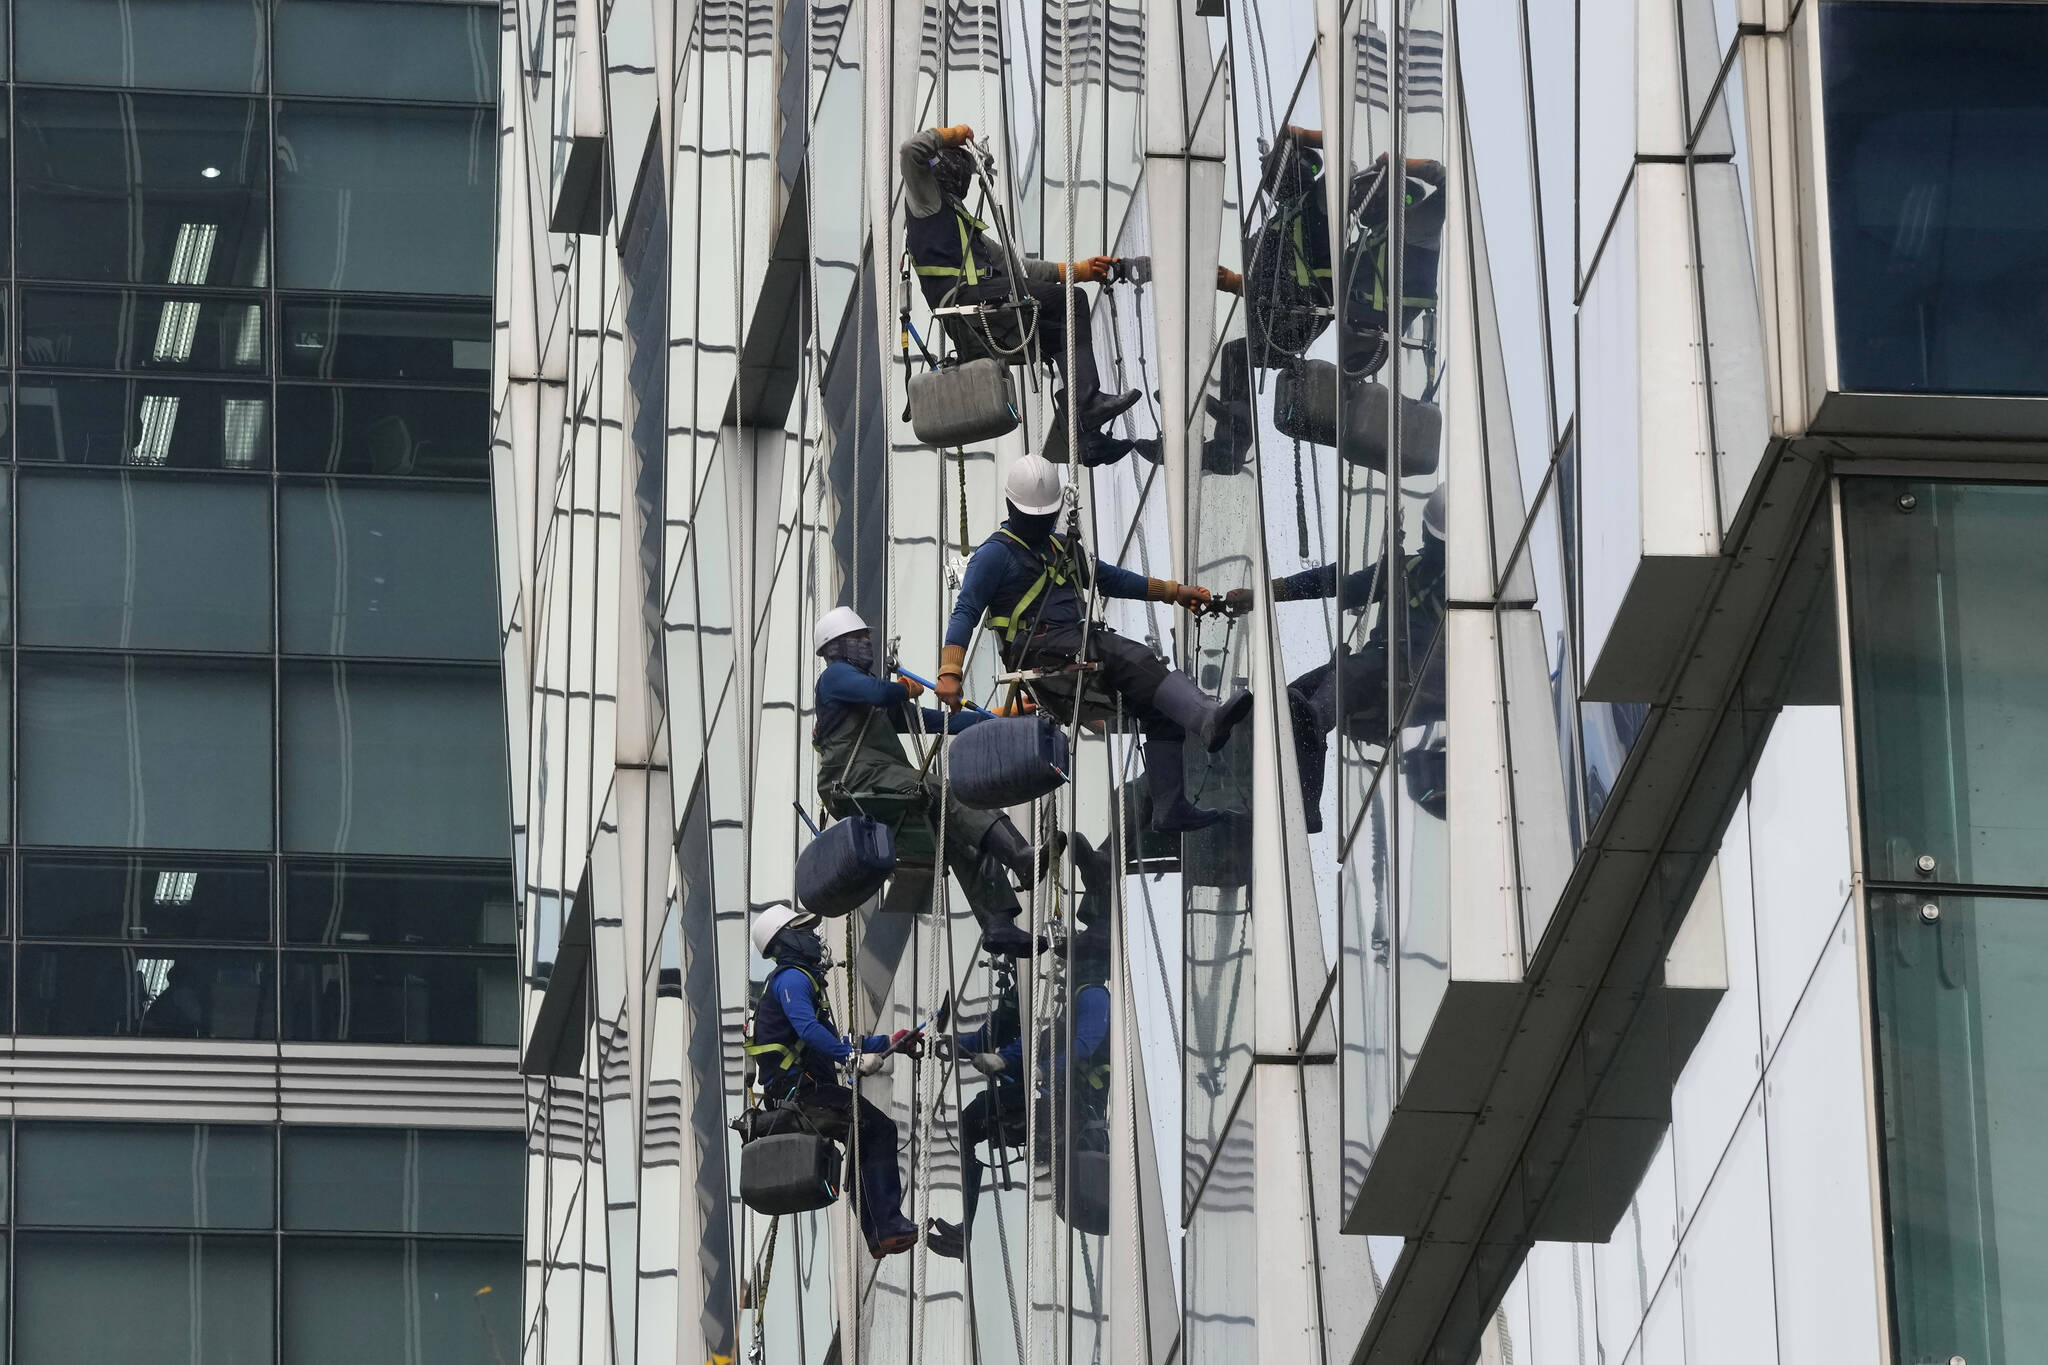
(969,228)
(791,1054)
(1060,570)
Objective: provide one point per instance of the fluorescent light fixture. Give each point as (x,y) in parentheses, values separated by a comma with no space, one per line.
(193,252)
(242,432)
(249,341)
(153,442)
(155,973)
(175,331)
(176,888)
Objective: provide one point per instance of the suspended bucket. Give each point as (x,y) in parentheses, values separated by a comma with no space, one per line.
(843,867)
(1305,408)
(1007,761)
(962,404)
(790,1173)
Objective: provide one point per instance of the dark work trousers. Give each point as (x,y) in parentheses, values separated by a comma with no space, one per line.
(1128,670)
(995,1116)
(1051,295)
(880,1186)
(1361,674)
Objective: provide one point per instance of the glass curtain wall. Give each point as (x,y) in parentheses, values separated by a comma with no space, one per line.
(1952,730)
(258,760)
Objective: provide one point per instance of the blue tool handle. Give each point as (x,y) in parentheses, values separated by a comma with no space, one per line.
(930,686)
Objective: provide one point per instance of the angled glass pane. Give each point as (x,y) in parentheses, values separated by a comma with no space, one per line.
(145,563)
(150,423)
(394,760)
(363,997)
(154,992)
(165,44)
(143,330)
(182,1300)
(142,189)
(386,572)
(374,50)
(423,433)
(158,896)
(385,200)
(112,752)
(419,343)
(144,1175)
(409,904)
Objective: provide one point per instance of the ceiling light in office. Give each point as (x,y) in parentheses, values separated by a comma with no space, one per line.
(176,888)
(211,172)
(159,420)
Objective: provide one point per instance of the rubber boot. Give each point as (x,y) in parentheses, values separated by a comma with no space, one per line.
(1098,412)
(1007,846)
(946,1239)
(1001,937)
(1098,869)
(1192,709)
(1172,812)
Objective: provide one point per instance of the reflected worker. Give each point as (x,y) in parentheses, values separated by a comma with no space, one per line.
(1033,587)
(957,262)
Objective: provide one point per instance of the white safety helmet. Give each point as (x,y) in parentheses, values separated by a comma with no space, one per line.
(775,919)
(1433,513)
(1033,486)
(837,624)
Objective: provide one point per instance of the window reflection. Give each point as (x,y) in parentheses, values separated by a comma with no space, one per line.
(402,432)
(365,997)
(154,423)
(386,572)
(143,330)
(376,50)
(427,343)
(156,992)
(154,896)
(436,905)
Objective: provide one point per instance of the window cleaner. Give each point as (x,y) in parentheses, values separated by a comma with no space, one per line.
(1032,585)
(799,1053)
(964,270)
(862,767)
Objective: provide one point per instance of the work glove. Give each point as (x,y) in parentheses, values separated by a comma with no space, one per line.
(873,1063)
(1228,280)
(912,686)
(952,662)
(1192,597)
(1091,270)
(988,1064)
(956,135)
(1238,600)
(902,1041)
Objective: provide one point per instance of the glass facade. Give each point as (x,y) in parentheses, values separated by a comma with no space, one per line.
(259,782)
(219,1243)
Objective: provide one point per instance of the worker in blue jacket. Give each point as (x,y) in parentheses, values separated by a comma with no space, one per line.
(1033,587)
(799,1052)
(1073,1084)
(855,733)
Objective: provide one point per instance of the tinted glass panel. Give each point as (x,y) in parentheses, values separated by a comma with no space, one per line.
(141,330)
(397,904)
(385,200)
(398,998)
(142,189)
(159,896)
(347,1302)
(360,339)
(1952,722)
(387,51)
(1937,141)
(394,761)
(402,1180)
(1960,1008)
(136,1175)
(142,1300)
(145,563)
(113,751)
(384,431)
(149,422)
(169,44)
(403,573)
(155,992)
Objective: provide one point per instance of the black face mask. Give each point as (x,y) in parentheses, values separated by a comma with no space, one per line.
(800,946)
(953,169)
(1032,527)
(859,653)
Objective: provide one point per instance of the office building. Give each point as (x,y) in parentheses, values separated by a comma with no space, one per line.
(260,1093)
(1618,943)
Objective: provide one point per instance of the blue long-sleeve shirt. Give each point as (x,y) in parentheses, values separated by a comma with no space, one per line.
(843,690)
(1354,592)
(1002,571)
(791,991)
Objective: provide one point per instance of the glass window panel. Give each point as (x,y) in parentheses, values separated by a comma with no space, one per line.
(142,1300)
(167,44)
(112,752)
(1937,148)
(157,896)
(155,992)
(401,904)
(345,1302)
(400,998)
(142,189)
(1965,1096)
(415,432)
(390,760)
(137,1175)
(365,339)
(141,330)
(402,1180)
(387,572)
(164,423)
(385,200)
(387,51)
(1952,723)
(145,563)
